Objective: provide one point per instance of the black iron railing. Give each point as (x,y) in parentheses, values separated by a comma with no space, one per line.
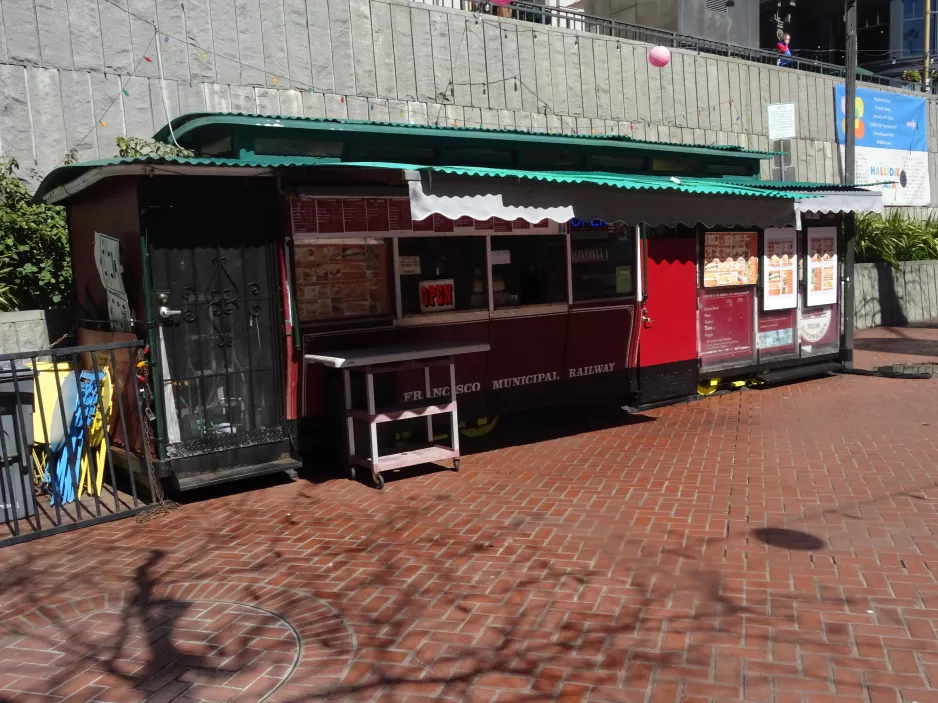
(74,445)
(575,20)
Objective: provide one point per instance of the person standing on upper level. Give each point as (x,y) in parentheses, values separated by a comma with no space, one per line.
(783,48)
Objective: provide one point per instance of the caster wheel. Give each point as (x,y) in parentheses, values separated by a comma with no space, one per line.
(379,481)
(455,464)
(351,472)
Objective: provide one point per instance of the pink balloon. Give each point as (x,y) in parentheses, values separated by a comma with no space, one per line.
(659,56)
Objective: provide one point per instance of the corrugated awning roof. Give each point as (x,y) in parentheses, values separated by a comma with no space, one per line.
(200,120)
(691,186)
(64,175)
(482,192)
(801,185)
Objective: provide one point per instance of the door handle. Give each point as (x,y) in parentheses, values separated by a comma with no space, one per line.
(645,319)
(166,313)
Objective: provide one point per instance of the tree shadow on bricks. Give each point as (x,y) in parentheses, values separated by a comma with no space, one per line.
(491,610)
(144,645)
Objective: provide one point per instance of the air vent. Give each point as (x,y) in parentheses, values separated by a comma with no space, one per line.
(716,6)
(478,157)
(727,169)
(617,163)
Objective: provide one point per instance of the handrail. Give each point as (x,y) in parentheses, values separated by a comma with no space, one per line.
(575,20)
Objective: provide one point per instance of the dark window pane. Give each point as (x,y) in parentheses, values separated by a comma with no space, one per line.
(534,272)
(460,259)
(603,259)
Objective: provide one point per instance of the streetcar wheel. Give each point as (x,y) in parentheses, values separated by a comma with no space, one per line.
(480,427)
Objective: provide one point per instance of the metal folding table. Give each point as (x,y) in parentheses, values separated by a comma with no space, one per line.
(369,363)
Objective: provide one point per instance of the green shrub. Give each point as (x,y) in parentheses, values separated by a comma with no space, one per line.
(35,263)
(895,238)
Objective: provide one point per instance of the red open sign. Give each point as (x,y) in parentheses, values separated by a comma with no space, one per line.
(437,295)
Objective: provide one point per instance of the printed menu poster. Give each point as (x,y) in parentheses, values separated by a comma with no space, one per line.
(731,259)
(342,278)
(780,264)
(822,265)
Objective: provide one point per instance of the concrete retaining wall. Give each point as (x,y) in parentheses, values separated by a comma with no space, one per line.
(887,296)
(31,330)
(75,76)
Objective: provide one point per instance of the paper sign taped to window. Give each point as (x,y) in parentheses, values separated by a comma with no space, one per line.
(502,256)
(409,265)
(437,295)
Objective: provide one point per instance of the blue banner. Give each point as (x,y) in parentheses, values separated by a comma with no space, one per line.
(884,120)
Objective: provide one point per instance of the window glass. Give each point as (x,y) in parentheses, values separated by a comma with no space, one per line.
(440,274)
(602,260)
(529,270)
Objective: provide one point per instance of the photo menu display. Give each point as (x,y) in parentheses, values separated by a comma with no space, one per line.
(731,259)
(337,279)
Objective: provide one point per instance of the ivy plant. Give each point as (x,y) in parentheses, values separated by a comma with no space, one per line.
(137,146)
(35,264)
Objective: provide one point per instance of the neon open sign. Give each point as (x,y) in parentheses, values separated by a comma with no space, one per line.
(597,223)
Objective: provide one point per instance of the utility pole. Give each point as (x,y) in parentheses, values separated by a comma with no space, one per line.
(850,92)
(850,145)
(926,54)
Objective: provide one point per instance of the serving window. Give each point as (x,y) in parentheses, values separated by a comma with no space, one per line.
(528,270)
(602,260)
(442,274)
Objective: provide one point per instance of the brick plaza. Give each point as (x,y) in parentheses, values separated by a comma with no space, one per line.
(774,545)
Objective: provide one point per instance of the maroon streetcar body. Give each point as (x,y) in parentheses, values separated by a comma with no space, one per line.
(584,273)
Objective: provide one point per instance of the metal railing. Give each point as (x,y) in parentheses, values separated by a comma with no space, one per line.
(572,19)
(74,443)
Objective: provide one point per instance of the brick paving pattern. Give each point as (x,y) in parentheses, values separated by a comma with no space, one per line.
(776,545)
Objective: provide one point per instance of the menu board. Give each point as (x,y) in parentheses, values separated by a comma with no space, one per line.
(314,216)
(776,333)
(726,326)
(822,265)
(780,264)
(731,259)
(341,278)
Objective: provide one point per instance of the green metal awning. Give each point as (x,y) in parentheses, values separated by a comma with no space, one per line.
(481,192)
(67,180)
(186,126)
(692,186)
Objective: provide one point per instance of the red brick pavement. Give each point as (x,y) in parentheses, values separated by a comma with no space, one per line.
(601,558)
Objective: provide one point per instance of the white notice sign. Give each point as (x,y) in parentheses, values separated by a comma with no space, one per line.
(782,121)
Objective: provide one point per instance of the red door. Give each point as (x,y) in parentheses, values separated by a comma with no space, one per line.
(667,352)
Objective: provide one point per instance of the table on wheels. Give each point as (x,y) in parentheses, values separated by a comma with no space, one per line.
(371,362)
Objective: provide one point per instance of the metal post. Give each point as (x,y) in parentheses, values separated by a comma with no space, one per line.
(849,302)
(850,93)
(926,54)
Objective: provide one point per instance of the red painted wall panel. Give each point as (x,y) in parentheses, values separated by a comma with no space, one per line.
(671,303)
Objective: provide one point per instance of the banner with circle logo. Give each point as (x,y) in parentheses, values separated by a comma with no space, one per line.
(892,143)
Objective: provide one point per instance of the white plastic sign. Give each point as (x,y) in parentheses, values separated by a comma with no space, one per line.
(781,121)
(780,269)
(823,280)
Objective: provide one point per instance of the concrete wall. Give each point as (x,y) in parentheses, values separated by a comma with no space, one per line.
(75,76)
(32,330)
(887,296)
